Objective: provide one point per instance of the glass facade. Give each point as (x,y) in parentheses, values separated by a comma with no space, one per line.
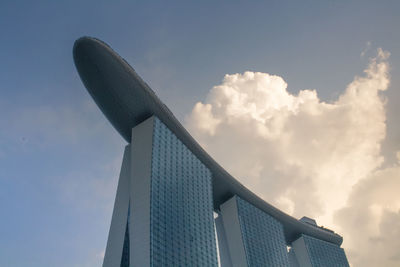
(322,253)
(263,237)
(181,215)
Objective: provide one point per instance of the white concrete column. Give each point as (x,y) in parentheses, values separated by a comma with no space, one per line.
(224,257)
(230,218)
(116,235)
(301,253)
(139,225)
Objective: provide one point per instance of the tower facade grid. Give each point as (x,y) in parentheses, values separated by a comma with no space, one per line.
(263,238)
(322,253)
(181,211)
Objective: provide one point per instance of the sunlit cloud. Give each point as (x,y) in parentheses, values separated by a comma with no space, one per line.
(296,151)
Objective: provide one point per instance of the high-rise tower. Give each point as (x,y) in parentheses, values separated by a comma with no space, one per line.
(169,188)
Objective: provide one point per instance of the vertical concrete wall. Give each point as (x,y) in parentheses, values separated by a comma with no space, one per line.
(139,225)
(292,259)
(133,192)
(301,253)
(116,235)
(224,257)
(230,218)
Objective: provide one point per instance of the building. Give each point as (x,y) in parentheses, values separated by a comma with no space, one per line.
(254,238)
(311,252)
(169,188)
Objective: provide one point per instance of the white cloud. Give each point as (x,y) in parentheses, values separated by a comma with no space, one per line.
(370,222)
(296,151)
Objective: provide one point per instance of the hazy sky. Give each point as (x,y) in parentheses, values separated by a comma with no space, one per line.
(316,86)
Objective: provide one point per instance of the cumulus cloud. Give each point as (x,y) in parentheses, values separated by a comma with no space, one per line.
(300,153)
(370,222)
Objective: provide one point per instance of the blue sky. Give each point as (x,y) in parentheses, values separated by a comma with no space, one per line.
(60,157)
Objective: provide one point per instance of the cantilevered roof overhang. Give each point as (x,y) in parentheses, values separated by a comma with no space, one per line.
(126,100)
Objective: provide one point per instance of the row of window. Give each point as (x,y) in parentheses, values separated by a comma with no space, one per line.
(262,235)
(182,226)
(323,253)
